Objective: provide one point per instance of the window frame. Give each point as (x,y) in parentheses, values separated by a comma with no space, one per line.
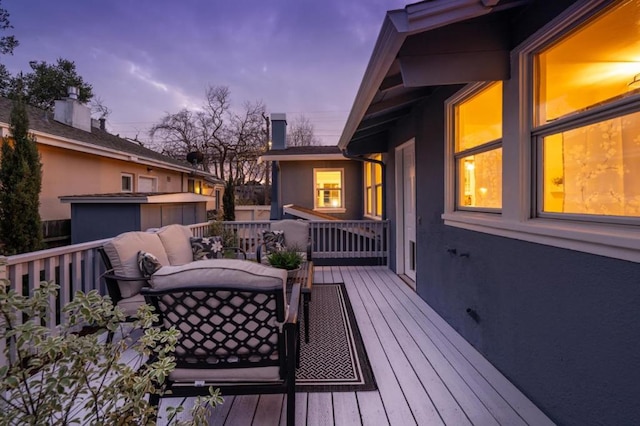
(130,176)
(519,218)
(374,187)
(451,156)
(340,209)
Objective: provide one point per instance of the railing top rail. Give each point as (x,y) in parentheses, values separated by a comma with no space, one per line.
(58,251)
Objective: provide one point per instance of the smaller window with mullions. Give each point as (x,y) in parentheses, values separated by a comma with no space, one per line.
(477,149)
(126,182)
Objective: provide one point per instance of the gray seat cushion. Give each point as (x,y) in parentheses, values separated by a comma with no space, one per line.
(212,376)
(131,304)
(234,273)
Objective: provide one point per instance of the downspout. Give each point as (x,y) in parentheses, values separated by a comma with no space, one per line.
(384,178)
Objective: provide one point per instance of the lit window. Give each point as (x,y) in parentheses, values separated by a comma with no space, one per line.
(589,149)
(126,182)
(194,185)
(373,187)
(328,189)
(478,149)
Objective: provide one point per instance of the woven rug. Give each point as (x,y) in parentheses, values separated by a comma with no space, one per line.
(335,359)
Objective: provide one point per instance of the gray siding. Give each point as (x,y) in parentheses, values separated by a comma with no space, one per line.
(297,184)
(561,325)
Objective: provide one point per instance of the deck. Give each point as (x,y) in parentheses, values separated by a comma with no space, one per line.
(427,374)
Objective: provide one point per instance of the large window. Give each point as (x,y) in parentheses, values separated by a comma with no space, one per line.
(477,145)
(328,189)
(373,188)
(586,121)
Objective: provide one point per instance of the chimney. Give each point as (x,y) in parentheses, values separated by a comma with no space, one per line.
(278,141)
(71,112)
(278,131)
(102,121)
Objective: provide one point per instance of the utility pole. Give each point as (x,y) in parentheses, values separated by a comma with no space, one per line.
(267,143)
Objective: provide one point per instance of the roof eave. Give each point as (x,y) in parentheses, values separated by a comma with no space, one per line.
(302,157)
(396,27)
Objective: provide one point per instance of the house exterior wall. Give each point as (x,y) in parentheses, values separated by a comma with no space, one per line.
(296,185)
(66,172)
(560,324)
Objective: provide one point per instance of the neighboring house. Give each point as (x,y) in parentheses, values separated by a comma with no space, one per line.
(319,182)
(79,157)
(509,132)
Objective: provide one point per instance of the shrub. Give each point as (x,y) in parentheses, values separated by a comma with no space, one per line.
(60,376)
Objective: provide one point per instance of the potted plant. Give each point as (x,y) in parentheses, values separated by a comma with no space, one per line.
(288,258)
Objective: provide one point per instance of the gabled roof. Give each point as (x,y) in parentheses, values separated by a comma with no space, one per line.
(419,48)
(99,142)
(304,153)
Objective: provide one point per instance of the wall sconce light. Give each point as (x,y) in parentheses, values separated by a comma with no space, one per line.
(149,169)
(634,83)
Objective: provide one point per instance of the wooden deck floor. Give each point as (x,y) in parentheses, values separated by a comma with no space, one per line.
(426,373)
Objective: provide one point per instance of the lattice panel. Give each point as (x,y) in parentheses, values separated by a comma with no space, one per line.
(223,327)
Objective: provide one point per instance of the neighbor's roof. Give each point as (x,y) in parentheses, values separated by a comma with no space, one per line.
(421,47)
(304,153)
(98,142)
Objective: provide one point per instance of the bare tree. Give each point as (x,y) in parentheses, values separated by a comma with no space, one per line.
(230,141)
(98,107)
(180,135)
(301,132)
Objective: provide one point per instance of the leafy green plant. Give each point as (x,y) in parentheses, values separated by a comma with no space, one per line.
(59,376)
(288,258)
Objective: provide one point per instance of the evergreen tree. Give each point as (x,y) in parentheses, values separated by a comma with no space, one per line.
(229,202)
(20,185)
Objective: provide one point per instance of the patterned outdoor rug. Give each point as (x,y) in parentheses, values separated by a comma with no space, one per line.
(334,360)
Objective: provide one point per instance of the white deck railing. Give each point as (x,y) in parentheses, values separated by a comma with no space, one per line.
(78,267)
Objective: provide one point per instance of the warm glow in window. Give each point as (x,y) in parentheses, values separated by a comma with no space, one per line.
(594,169)
(478,150)
(591,169)
(595,63)
(479,118)
(481,177)
(373,187)
(328,189)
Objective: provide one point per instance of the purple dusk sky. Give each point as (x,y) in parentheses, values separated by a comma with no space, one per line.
(145,58)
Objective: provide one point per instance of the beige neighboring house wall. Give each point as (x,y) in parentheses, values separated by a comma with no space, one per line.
(79,162)
(66,172)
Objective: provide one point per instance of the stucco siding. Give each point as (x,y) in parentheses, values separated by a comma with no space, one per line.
(67,172)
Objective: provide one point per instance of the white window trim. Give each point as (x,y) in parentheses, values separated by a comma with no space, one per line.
(606,239)
(315,199)
(450,190)
(374,195)
(131,178)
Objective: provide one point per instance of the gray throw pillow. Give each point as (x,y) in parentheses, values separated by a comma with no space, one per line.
(148,263)
(273,241)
